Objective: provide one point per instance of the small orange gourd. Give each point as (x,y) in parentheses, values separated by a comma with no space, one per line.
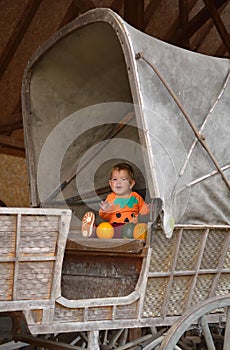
(140,231)
(105,230)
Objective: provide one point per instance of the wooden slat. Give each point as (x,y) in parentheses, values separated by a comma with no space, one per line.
(181,35)
(12,151)
(12,142)
(11,126)
(151,8)
(105,245)
(184,18)
(221,51)
(218,23)
(18,34)
(71,13)
(116,5)
(85,5)
(173,29)
(201,36)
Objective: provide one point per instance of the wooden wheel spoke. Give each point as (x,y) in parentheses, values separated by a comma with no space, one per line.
(199,314)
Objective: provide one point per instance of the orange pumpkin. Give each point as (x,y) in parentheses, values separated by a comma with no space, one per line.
(140,231)
(105,230)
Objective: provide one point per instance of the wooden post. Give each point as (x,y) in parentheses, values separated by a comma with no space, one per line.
(93,343)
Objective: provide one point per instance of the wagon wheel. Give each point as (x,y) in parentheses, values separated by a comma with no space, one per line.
(128,338)
(119,339)
(198,314)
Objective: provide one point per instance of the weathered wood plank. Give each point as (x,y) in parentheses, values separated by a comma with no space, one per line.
(105,245)
(95,276)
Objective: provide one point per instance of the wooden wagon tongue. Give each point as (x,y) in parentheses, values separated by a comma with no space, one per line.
(78,87)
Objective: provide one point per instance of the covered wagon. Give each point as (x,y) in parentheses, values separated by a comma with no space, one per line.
(100,92)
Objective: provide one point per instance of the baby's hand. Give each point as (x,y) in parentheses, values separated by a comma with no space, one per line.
(105,205)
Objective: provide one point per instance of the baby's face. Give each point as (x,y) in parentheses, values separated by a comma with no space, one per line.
(121,183)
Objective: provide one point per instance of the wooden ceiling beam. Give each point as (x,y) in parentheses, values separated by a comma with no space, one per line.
(12,152)
(150,10)
(173,29)
(184,18)
(84,5)
(14,120)
(11,142)
(15,125)
(200,37)
(181,35)
(221,51)
(218,23)
(134,15)
(71,13)
(18,34)
(117,5)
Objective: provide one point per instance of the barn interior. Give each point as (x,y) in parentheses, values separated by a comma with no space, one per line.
(199,26)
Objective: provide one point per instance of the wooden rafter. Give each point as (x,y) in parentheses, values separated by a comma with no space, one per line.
(181,35)
(71,13)
(12,146)
(84,5)
(13,121)
(18,34)
(221,51)
(11,126)
(12,152)
(184,18)
(200,37)
(175,27)
(117,5)
(11,142)
(210,5)
(16,115)
(150,9)
(134,15)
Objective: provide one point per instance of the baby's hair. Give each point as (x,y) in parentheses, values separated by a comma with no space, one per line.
(123,166)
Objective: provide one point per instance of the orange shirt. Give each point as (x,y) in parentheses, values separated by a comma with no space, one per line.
(124,209)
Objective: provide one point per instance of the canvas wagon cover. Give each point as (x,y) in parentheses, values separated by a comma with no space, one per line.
(181,101)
